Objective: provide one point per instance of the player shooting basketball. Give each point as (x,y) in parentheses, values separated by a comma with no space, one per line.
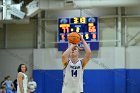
(73,68)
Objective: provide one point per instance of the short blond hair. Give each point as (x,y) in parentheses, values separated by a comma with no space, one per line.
(74,48)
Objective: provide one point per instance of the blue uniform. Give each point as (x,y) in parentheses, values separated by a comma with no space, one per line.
(8,85)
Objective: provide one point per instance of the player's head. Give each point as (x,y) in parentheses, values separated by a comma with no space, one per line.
(8,77)
(22,68)
(74,52)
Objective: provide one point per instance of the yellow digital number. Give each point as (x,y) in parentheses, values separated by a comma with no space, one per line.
(76,20)
(87,36)
(82,20)
(77,29)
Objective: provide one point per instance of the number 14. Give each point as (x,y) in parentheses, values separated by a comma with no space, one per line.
(74,73)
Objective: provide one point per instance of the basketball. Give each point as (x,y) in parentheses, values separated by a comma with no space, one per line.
(74,38)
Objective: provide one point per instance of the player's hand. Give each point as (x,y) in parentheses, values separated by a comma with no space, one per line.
(81,37)
(28,91)
(71,44)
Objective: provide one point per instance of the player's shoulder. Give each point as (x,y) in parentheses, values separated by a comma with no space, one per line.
(20,74)
(80,60)
(69,61)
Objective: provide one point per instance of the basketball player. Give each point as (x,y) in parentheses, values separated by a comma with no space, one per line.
(73,68)
(22,79)
(32,85)
(9,85)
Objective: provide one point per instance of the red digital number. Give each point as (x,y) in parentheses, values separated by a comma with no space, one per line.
(91,29)
(65,29)
(93,36)
(62,37)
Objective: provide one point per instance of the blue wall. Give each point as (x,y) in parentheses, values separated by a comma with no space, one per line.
(133,81)
(95,81)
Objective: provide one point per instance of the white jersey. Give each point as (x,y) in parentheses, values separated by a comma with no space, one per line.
(32,86)
(73,78)
(24,84)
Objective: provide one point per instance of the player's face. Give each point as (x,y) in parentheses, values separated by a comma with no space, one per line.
(8,78)
(23,68)
(74,52)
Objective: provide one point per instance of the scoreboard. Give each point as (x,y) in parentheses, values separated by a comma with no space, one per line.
(86,26)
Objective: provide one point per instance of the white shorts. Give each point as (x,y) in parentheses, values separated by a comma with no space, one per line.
(70,90)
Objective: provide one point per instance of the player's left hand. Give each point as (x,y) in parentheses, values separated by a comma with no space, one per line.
(81,37)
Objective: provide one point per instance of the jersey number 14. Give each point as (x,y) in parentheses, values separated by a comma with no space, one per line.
(74,73)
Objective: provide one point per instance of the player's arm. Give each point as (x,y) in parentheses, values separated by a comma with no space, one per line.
(65,55)
(3,83)
(20,79)
(13,87)
(28,91)
(88,53)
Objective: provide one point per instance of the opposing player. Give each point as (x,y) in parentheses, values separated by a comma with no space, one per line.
(73,68)
(9,85)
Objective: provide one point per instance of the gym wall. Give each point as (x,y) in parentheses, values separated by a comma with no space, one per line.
(112,69)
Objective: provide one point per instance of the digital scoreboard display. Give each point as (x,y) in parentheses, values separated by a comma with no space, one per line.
(86,26)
